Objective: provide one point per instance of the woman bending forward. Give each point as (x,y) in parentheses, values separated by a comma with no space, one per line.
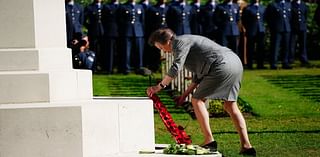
(217,74)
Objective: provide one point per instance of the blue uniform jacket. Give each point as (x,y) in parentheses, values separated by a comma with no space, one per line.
(131,20)
(207,14)
(299,16)
(196,27)
(93,22)
(156,18)
(227,17)
(278,18)
(253,19)
(179,19)
(109,17)
(74,19)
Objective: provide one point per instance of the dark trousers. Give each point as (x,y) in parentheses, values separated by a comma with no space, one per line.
(111,48)
(97,44)
(299,38)
(231,42)
(213,35)
(152,58)
(279,39)
(255,47)
(132,50)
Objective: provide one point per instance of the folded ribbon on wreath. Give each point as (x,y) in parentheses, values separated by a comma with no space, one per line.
(177,132)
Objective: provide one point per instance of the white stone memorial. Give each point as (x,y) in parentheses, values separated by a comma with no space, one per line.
(46,107)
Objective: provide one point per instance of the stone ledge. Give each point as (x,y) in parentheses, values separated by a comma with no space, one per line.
(34,86)
(160,154)
(76,128)
(31,59)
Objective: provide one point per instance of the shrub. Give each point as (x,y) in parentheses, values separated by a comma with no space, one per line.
(216,108)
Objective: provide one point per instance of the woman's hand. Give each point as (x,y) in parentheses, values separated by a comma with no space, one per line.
(153,90)
(179,100)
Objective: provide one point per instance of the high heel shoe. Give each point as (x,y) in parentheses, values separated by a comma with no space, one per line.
(248,152)
(212,146)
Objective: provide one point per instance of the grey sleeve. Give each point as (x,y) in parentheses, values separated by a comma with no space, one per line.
(180,51)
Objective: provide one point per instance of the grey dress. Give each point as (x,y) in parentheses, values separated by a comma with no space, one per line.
(216,69)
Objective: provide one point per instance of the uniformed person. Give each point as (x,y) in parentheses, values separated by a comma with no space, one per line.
(278,16)
(208,22)
(253,21)
(196,27)
(155,19)
(131,31)
(94,24)
(146,5)
(299,15)
(74,21)
(111,34)
(227,17)
(179,16)
(85,58)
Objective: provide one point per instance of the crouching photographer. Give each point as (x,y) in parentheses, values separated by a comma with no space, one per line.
(82,57)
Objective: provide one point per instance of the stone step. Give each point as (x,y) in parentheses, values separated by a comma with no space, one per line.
(158,153)
(32,59)
(94,128)
(37,86)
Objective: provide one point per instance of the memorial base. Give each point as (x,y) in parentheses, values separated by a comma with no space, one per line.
(99,128)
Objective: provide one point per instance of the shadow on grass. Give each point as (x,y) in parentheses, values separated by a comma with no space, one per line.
(307,86)
(135,86)
(271,132)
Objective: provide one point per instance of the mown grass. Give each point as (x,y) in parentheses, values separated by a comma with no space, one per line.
(286,104)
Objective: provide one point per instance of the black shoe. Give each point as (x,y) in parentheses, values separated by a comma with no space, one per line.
(108,72)
(305,64)
(248,152)
(286,67)
(261,67)
(273,67)
(123,71)
(249,67)
(212,146)
(143,71)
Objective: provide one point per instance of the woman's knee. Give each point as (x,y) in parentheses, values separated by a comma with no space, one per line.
(230,106)
(226,106)
(196,101)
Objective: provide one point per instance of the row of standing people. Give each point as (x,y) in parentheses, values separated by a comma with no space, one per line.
(287,24)
(114,27)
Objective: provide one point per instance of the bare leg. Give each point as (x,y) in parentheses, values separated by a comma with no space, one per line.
(203,119)
(237,118)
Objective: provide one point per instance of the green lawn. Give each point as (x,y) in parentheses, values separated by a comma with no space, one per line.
(286,102)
